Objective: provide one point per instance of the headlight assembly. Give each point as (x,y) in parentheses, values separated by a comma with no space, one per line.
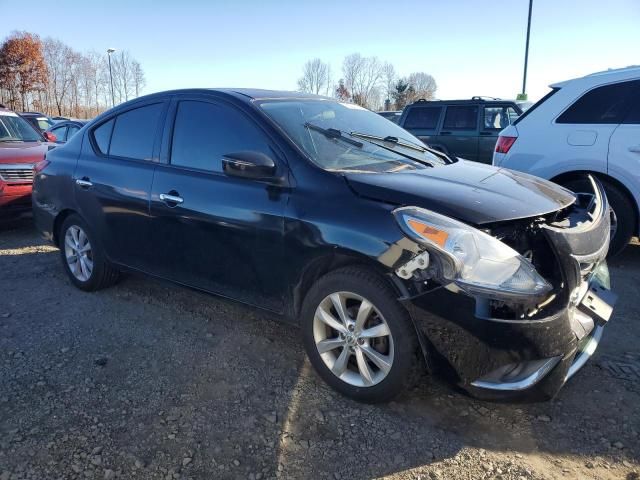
(476,262)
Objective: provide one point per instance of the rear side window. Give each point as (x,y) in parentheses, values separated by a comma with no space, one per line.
(60,133)
(203,132)
(532,108)
(73,129)
(102,136)
(461,118)
(423,117)
(608,104)
(134,132)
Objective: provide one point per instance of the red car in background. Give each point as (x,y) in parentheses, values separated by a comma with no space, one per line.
(21,148)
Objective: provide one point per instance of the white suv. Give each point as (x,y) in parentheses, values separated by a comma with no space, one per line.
(588,125)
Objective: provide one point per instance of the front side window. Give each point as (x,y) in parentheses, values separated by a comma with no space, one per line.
(423,117)
(16,129)
(497,118)
(204,132)
(134,132)
(608,104)
(461,118)
(345,137)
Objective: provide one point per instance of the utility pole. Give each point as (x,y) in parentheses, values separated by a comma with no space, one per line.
(523,95)
(113,98)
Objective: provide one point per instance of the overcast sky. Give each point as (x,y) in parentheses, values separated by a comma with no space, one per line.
(471,47)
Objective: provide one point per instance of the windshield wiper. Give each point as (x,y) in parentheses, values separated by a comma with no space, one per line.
(404,143)
(12,140)
(390,139)
(333,133)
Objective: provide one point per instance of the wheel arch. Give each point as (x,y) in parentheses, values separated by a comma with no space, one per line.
(334,260)
(573,175)
(57,223)
(324,263)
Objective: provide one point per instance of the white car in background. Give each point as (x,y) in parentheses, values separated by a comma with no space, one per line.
(588,125)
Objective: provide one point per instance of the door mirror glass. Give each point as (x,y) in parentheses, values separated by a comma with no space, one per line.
(249,164)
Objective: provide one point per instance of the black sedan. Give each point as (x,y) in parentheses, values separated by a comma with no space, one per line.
(62,131)
(387,254)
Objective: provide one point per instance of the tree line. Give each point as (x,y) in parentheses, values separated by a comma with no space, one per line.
(51,77)
(367,81)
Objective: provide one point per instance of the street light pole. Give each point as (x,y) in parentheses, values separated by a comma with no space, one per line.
(113,98)
(523,95)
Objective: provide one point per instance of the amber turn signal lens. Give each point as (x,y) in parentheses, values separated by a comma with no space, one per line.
(439,237)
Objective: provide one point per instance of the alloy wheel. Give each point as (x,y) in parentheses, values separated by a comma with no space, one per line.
(78,253)
(353,339)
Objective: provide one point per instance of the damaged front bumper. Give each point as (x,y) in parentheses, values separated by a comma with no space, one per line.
(493,356)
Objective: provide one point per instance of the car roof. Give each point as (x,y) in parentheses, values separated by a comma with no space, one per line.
(243,94)
(606,76)
(32,114)
(64,123)
(475,100)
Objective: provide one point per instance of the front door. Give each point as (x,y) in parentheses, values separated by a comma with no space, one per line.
(212,231)
(493,119)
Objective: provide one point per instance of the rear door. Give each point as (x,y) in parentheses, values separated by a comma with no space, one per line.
(459,133)
(624,147)
(423,122)
(223,234)
(113,181)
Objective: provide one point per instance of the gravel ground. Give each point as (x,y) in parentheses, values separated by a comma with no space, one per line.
(145,380)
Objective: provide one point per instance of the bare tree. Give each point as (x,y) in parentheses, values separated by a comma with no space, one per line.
(362,76)
(389,78)
(56,79)
(58,58)
(315,76)
(138,77)
(424,85)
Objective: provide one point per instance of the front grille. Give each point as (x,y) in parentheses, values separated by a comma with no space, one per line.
(23,175)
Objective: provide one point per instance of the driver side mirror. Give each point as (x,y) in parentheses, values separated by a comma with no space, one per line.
(249,164)
(50,137)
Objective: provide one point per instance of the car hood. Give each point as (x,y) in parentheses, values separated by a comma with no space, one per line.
(29,152)
(471,192)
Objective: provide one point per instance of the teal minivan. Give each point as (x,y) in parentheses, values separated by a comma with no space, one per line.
(461,128)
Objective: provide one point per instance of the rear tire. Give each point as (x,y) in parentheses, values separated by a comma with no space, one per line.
(622,208)
(83,257)
(374,354)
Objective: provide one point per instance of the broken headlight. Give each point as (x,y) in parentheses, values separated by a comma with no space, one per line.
(475,261)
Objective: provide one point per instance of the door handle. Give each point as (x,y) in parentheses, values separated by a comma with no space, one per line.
(486,133)
(169,198)
(84,182)
(635,148)
(445,133)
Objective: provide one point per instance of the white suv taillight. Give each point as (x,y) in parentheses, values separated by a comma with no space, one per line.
(504,144)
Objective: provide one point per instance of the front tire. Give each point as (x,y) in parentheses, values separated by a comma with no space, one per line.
(83,258)
(358,338)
